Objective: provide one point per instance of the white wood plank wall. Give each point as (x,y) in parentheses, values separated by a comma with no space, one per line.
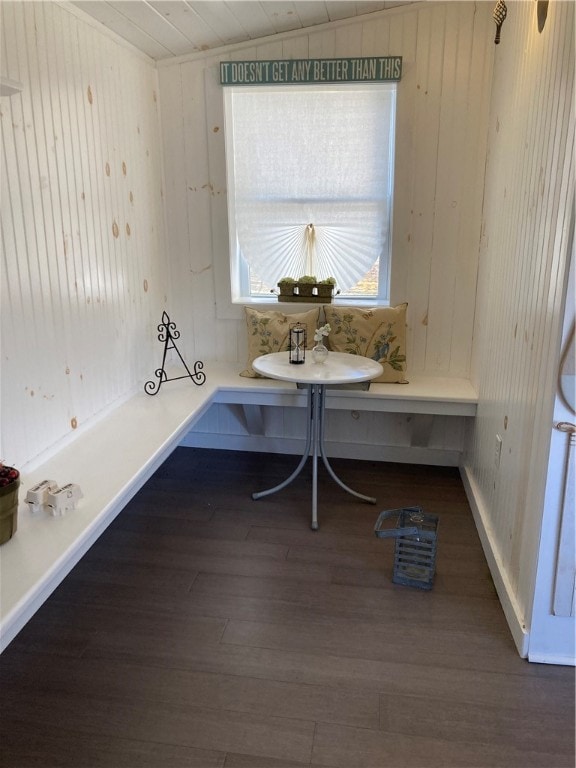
(529,199)
(443,103)
(84,274)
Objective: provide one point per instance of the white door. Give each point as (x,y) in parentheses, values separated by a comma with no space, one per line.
(553,625)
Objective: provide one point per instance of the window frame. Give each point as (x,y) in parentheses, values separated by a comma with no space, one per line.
(238,266)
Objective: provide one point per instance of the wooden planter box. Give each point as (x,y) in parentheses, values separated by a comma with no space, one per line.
(307,292)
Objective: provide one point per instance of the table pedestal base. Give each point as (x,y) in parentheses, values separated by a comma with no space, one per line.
(314,439)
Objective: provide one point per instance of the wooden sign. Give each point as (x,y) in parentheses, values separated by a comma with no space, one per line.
(311,71)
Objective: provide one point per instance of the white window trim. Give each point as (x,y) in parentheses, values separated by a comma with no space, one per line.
(230,301)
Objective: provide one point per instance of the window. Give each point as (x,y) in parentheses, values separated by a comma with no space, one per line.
(310,179)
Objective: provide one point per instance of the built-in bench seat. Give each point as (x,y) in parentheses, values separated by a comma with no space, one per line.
(112,459)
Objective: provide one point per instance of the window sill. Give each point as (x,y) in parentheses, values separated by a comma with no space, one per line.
(348,301)
(233,309)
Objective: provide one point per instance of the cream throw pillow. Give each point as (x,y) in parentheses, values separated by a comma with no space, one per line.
(378,333)
(269,332)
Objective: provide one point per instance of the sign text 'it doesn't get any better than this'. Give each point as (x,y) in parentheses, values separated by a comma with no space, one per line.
(311,71)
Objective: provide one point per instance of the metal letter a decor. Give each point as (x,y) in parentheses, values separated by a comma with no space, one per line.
(167,333)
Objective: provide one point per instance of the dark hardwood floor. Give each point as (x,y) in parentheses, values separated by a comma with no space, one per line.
(207,629)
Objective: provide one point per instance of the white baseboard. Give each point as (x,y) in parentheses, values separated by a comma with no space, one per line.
(552,658)
(336,450)
(508,601)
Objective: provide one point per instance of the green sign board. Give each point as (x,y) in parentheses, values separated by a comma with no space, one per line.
(293,71)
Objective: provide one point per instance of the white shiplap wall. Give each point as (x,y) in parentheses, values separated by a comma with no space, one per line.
(84,272)
(529,198)
(442,118)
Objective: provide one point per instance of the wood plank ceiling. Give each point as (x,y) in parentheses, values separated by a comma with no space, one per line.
(167,28)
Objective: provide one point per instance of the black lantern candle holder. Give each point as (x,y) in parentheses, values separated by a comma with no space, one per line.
(297,345)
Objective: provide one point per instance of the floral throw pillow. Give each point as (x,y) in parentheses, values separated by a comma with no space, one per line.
(270,332)
(378,333)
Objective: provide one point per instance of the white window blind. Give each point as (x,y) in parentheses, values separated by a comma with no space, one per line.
(310,174)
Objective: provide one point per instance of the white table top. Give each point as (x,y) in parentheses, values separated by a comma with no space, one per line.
(339,368)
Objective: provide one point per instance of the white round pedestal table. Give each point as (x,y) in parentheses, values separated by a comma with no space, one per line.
(338,368)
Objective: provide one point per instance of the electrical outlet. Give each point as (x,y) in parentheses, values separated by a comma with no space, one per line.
(498,451)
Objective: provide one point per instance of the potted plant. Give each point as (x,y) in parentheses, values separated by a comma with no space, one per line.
(325,287)
(286,285)
(9,484)
(306,285)
(306,289)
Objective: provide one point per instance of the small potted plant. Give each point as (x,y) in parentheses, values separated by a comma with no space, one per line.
(9,484)
(306,285)
(286,285)
(325,287)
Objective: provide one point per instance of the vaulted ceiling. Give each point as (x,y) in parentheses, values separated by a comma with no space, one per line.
(166,28)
